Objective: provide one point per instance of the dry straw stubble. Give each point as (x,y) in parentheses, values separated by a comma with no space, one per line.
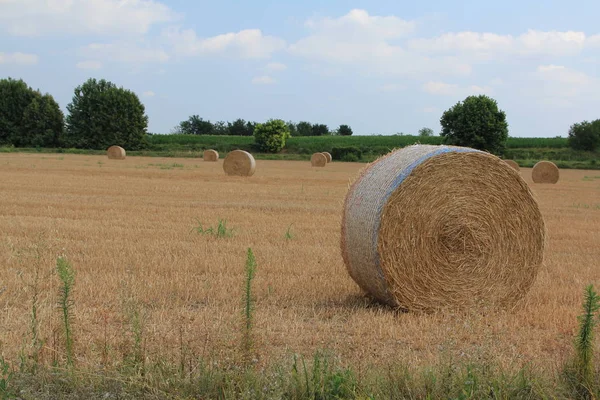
(432,227)
(210,155)
(318,160)
(513,164)
(116,153)
(545,172)
(328,156)
(240,163)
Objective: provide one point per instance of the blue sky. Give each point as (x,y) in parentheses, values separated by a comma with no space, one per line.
(379,66)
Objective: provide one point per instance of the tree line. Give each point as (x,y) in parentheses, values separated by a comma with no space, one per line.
(196,125)
(102,114)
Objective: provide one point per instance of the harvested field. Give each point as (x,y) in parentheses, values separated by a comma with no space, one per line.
(127,227)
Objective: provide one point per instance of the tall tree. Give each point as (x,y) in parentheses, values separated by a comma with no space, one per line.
(43,123)
(476,122)
(304,128)
(344,130)
(320,130)
(102,114)
(425,132)
(28,118)
(585,135)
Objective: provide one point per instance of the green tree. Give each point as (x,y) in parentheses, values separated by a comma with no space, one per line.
(320,130)
(425,132)
(344,130)
(237,127)
(102,114)
(271,136)
(43,123)
(292,128)
(195,125)
(476,122)
(28,118)
(304,128)
(585,135)
(220,128)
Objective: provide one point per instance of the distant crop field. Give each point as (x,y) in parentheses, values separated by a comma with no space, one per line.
(138,235)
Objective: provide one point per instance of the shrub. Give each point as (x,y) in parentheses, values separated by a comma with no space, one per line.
(349,153)
(270,136)
(585,135)
(476,122)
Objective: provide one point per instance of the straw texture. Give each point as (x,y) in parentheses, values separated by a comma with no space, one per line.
(513,164)
(545,172)
(210,155)
(328,156)
(240,163)
(318,160)
(432,227)
(116,153)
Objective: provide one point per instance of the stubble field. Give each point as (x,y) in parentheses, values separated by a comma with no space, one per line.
(127,227)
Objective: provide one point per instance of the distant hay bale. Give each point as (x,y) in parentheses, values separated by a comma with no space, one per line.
(210,155)
(240,163)
(513,164)
(318,160)
(116,153)
(432,227)
(328,156)
(545,172)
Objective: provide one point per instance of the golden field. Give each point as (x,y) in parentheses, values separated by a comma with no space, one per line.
(127,228)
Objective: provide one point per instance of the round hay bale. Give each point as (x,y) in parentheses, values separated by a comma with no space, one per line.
(318,160)
(545,172)
(210,155)
(239,162)
(116,153)
(432,227)
(513,164)
(328,156)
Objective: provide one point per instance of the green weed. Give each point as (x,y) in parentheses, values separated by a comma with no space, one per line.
(248,309)
(66,275)
(221,231)
(288,234)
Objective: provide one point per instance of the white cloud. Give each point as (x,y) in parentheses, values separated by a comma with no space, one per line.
(429,110)
(562,87)
(148,93)
(125,52)
(109,17)
(263,80)
(18,58)
(451,89)
(361,41)
(490,45)
(249,43)
(593,41)
(275,66)
(89,64)
(562,74)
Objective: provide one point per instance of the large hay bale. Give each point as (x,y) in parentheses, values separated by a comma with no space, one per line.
(116,153)
(429,227)
(239,162)
(513,164)
(210,155)
(545,172)
(318,160)
(328,156)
